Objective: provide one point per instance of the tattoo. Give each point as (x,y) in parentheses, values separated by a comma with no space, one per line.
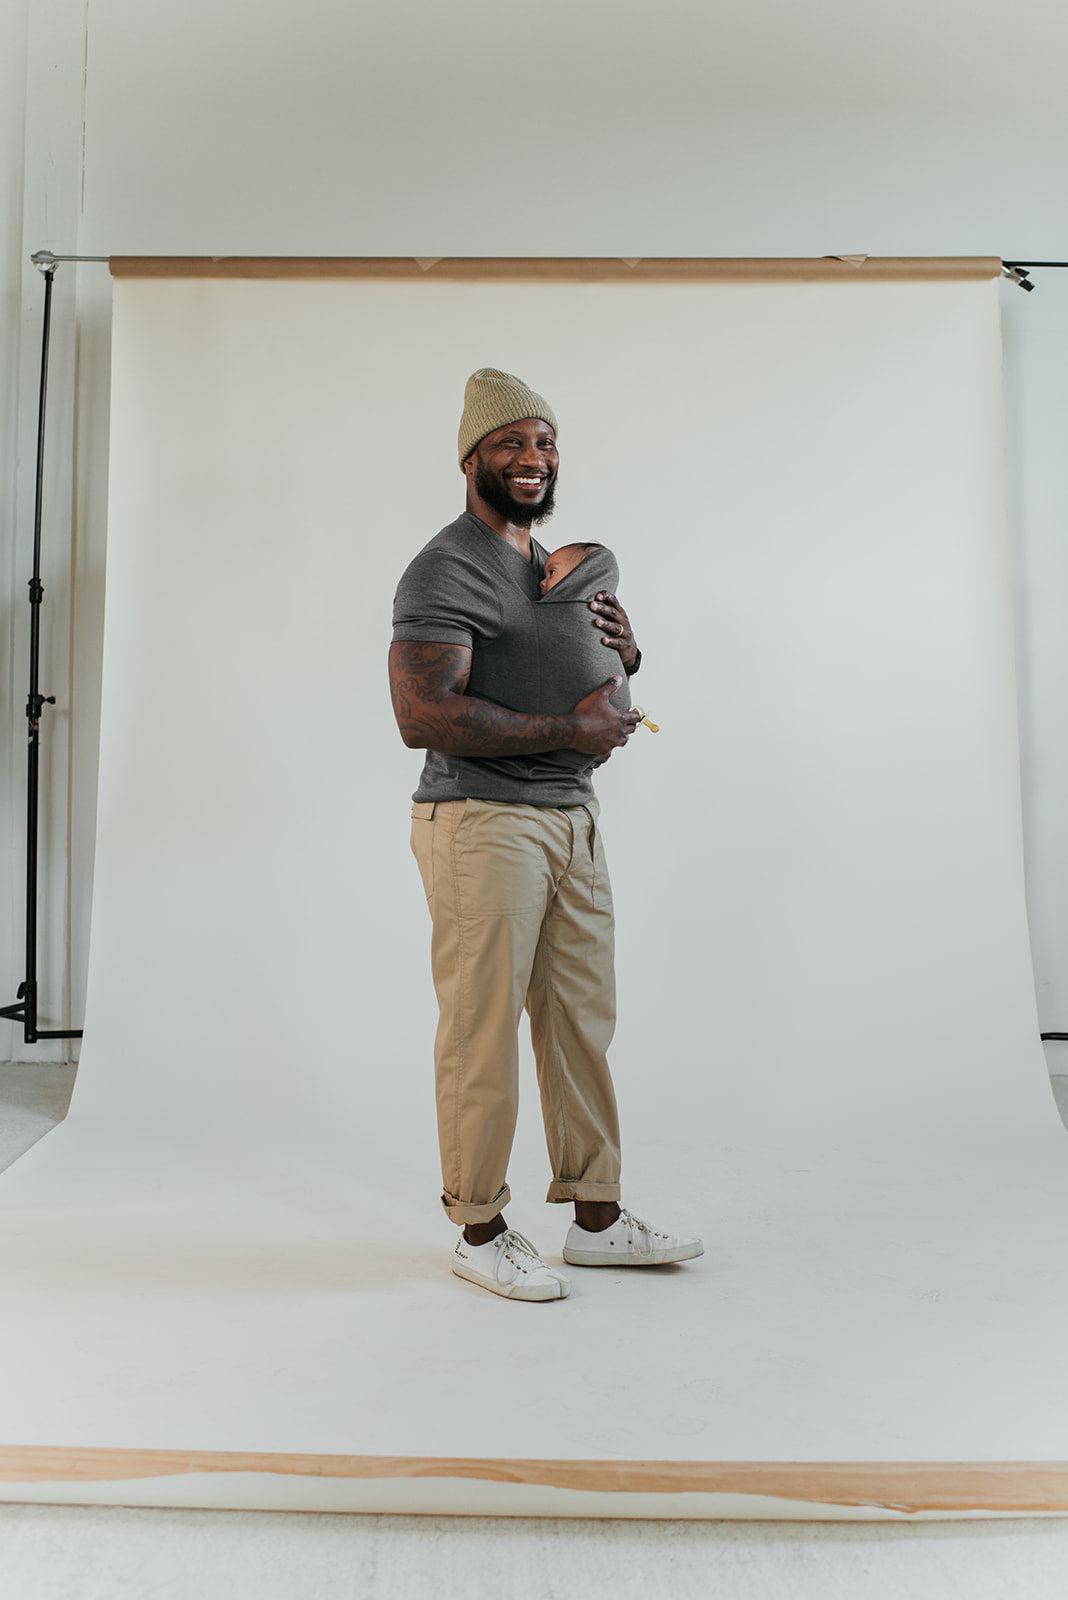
(428,684)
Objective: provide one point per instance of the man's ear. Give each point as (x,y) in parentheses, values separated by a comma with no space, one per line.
(468,467)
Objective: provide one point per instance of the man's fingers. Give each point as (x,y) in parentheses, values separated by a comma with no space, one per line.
(610,687)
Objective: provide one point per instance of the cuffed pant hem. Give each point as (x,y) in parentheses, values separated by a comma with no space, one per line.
(577,1189)
(461,1211)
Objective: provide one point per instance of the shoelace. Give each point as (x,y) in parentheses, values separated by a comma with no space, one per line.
(515,1247)
(638,1226)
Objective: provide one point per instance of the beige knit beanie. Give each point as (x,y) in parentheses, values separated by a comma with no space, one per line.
(492,399)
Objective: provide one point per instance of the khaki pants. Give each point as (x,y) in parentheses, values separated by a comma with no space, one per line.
(522,913)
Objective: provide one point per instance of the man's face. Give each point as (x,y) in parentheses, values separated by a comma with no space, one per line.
(514,470)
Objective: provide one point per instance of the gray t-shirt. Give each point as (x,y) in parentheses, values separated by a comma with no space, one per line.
(470,587)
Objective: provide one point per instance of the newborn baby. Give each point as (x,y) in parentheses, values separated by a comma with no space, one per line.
(564,561)
(574,660)
(560,565)
(570,661)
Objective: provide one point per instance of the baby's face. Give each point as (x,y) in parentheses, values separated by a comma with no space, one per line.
(559,564)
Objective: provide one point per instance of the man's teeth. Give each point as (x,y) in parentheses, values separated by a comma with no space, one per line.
(531,481)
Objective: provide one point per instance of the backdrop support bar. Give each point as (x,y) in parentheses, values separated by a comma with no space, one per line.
(45,261)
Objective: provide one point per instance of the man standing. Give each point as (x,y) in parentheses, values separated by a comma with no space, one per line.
(504,829)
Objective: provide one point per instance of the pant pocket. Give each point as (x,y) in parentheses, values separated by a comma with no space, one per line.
(501,856)
(600,886)
(422,841)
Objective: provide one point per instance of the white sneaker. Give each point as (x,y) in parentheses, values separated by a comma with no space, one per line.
(509,1265)
(629,1242)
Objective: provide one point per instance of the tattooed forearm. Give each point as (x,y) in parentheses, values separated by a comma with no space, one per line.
(428,683)
(491,730)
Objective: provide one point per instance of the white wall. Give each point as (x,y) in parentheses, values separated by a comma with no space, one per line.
(584,127)
(12,159)
(1035,332)
(599,127)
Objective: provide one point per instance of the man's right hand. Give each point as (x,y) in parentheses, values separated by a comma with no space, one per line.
(601,728)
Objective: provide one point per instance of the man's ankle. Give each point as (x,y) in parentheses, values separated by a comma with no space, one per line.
(594,1216)
(477,1233)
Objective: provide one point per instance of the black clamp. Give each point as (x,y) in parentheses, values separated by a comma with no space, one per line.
(35,704)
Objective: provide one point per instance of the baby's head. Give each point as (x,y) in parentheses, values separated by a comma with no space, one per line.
(563,561)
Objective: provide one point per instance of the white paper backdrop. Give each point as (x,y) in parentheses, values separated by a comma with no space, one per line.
(828,1057)
(804,487)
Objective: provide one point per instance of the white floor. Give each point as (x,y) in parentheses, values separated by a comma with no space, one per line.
(69,1553)
(118,1553)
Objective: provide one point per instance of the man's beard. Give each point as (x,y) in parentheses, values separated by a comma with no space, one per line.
(495,492)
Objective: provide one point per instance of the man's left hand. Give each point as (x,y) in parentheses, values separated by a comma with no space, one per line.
(612,619)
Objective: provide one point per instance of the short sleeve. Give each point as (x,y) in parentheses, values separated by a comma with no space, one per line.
(445,598)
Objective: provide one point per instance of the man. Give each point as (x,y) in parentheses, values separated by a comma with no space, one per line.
(504,829)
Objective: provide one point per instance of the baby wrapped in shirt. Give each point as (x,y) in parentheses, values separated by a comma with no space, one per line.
(574,661)
(564,660)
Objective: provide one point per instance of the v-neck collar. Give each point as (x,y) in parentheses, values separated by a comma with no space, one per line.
(514,563)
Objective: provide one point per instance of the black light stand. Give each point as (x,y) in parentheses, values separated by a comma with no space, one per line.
(25,1010)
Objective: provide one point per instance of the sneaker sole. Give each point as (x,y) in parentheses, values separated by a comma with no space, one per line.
(514,1291)
(613,1258)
